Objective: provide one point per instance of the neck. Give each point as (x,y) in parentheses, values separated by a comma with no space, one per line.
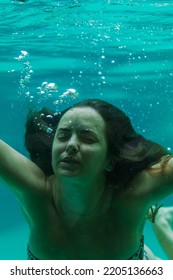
(76,200)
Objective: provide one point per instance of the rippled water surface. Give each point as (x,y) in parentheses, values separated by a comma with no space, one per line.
(121,51)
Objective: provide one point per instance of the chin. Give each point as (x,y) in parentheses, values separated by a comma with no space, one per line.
(69,174)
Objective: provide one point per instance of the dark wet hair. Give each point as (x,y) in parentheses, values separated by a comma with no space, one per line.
(131,152)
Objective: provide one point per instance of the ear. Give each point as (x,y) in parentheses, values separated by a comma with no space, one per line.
(110,164)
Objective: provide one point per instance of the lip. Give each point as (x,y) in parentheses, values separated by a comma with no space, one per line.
(69,160)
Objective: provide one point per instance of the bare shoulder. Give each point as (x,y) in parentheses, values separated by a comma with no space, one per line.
(156,182)
(37,206)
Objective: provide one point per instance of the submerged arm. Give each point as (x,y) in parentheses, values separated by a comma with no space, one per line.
(20,173)
(163,228)
(159,178)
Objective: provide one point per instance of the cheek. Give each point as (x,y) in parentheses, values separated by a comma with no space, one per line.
(55,151)
(97,155)
(58,147)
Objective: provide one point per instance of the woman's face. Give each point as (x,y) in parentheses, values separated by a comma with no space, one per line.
(80,146)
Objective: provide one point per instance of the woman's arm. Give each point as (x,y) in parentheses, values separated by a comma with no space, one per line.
(158,180)
(20,173)
(163,227)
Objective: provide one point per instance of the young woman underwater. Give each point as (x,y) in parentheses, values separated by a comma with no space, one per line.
(89,184)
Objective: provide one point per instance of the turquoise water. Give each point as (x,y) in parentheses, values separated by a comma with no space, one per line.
(121,51)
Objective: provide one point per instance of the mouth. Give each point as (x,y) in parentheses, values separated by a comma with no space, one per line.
(69,164)
(69,160)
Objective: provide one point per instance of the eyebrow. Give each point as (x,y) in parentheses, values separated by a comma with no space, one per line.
(63,129)
(87,130)
(83,130)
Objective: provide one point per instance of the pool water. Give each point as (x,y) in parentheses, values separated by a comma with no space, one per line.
(55,53)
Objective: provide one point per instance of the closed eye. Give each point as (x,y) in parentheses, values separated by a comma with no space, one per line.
(88,136)
(63,134)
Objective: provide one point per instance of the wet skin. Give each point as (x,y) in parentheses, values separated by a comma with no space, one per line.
(75,214)
(86,220)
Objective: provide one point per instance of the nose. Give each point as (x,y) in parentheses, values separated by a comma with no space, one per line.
(72,146)
(72,149)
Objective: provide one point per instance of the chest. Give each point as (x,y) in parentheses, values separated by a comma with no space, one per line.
(103,238)
(113,232)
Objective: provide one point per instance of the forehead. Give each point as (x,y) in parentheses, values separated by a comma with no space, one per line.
(84,117)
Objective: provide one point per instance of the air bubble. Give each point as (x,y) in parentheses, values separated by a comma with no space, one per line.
(23,54)
(49,130)
(47,88)
(73,93)
(49,117)
(26,72)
